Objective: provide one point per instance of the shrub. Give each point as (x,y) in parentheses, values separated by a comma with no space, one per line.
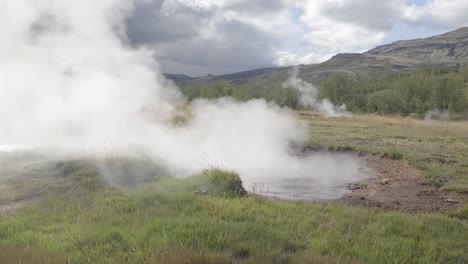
(81,174)
(217,181)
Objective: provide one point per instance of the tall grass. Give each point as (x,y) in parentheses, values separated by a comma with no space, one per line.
(171,221)
(207,218)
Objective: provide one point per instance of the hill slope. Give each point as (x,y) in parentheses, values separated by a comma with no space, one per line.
(446,50)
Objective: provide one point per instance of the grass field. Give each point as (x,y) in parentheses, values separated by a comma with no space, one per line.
(208,218)
(438,148)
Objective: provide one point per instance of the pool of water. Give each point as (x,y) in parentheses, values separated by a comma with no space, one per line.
(310,176)
(321,176)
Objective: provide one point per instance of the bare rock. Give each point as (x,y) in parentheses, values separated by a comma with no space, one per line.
(451,201)
(384,181)
(356,186)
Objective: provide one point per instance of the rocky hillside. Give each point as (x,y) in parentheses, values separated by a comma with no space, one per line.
(446,50)
(451,47)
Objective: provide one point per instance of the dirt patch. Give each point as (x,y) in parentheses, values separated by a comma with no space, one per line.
(396,185)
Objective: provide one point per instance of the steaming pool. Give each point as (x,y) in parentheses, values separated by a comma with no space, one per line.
(324,176)
(312,176)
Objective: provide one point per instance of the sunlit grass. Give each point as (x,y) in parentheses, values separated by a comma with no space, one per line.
(207,218)
(438,148)
(170,219)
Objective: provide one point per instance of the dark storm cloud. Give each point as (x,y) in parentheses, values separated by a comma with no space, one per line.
(237,46)
(149,24)
(182,44)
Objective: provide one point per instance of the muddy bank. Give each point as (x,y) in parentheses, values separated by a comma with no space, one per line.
(383,182)
(396,185)
(369,180)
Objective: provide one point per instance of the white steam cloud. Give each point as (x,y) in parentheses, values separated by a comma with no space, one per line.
(437,114)
(68,80)
(309,96)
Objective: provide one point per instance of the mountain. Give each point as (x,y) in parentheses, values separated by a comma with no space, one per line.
(446,50)
(179,78)
(449,47)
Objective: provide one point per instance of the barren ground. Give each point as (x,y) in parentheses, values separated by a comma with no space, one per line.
(398,186)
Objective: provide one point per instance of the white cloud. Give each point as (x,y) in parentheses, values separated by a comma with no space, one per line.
(348,25)
(284,58)
(439,13)
(341,37)
(197,37)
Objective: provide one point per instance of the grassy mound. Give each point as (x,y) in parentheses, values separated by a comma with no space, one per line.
(115,172)
(80,175)
(217,181)
(128,172)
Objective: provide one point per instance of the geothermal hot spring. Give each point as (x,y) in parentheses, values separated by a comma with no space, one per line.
(71,79)
(325,176)
(328,176)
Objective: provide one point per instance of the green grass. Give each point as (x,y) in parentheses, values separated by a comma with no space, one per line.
(438,148)
(170,221)
(207,218)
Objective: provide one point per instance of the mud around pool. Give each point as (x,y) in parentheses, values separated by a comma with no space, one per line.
(398,186)
(369,180)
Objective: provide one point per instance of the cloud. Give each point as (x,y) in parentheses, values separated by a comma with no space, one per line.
(438,13)
(198,37)
(150,24)
(348,25)
(370,14)
(284,58)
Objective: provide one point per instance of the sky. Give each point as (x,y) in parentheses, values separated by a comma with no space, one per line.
(200,37)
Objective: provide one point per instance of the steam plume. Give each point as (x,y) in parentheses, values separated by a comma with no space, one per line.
(309,96)
(69,80)
(437,114)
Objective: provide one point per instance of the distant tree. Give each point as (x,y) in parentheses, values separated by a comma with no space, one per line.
(385,102)
(415,92)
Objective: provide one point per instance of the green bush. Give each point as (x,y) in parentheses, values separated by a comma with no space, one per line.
(385,102)
(217,181)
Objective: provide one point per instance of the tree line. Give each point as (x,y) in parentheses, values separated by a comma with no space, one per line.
(276,93)
(413,93)
(404,94)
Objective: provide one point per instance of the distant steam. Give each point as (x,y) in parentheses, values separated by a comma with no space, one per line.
(309,96)
(69,81)
(438,114)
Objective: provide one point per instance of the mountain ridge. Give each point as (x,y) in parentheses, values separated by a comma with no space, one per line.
(448,50)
